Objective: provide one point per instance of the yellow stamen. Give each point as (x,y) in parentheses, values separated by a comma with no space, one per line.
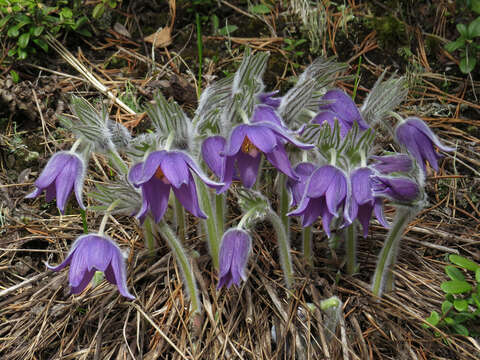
(249,148)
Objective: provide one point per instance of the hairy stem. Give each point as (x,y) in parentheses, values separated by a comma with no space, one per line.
(402,217)
(185,266)
(117,161)
(213,238)
(180,217)
(351,248)
(283,206)
(220,214)
(307,245)
(148,235)
(283,246)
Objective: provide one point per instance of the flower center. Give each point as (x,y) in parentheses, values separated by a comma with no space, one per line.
(161,176)
(249,148)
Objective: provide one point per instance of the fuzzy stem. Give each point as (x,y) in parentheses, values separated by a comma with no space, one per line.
(212,236)
(307,245)
(75,145)
(351,248)
(112,206)
(402,217)
(182,260)
(396,116)
(169,142)
(117,161)
(220,214)
(180,216)
(148,234)
(283,207)
(283,246)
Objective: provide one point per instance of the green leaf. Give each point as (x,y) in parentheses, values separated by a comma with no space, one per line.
(446,306)
(260,9)
(433,319)
(456,287)
(80,22)
(463,262)
(461,330)
(467,64)
(13,31)
(454,273)
(449,321)
(474,28)
(476,298)
(98,11)
(37,31)
(4,21)
(462,29)
(475,5)
(460,304)
(226,30)
(84,32)
(454,45)
(66,13)
(41,44)
(477,275)
(22,53)
(23,40)
(15,76)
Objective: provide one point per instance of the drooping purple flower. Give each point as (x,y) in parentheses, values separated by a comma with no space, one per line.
(64,172)
(400,189)
(165,170)
(297,187)
(94,252)
(345,111)
(392,163)
(242,154)
(269,99)
(419,140)
(325,195)
(329,117)
(362,200)
(234,251)
(265,113)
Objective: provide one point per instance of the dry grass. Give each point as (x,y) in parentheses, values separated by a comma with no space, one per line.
(41,320)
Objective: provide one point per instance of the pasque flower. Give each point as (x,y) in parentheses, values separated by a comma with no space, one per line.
(362,200)
(400,189)
(234,251)
(419,140)
(164,170)
(342,108)
(297,187)
(392,163)
(95,252)
(269,99)
(242,153)
(325,195)
(64,171)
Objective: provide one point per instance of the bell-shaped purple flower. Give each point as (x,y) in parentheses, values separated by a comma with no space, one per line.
(400,189)
(325,195)
(340,106)
(94,252)
(362,200)
(297,187)
(242,154)
(165,170)
(269,99)
(392,163)
(65,171)
(234,251)
(419,140)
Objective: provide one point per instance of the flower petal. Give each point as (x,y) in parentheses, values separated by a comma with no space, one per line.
(266,113)
(84,281)
(345,107)
(156,194)
(64,183)
(53,168)
(117,268)
(212,147)
(314,208)
(174,168)
(361,185)
(262,137)
(78,184)
(150,167)
(378,208)
(320,181)
(279,159)
(135,174)
(248,168)
(187,195)
(196,169)
(336,192)
(236,140)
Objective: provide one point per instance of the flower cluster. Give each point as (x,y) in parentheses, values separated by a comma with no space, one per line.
(340,178)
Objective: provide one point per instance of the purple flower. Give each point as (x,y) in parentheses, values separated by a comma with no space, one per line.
(234,251)
(264,113)
(399,189)
(342,107)
(297,187)
(269,99)
(392,163)
(242,154)
(64,171)
(419,140)
(165,170)
(326,193)
(90,253)
(363,201)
